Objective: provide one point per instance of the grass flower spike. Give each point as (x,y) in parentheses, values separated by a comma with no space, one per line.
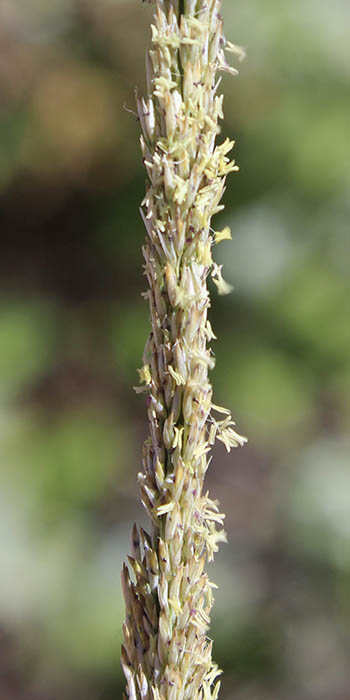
(167,654)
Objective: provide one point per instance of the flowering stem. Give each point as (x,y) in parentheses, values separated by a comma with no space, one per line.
(166,653)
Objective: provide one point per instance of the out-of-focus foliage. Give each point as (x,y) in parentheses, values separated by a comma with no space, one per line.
(73,324)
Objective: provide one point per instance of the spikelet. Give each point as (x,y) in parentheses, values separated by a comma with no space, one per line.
(166,653)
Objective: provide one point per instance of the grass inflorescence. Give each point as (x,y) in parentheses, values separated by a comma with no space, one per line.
(167,654)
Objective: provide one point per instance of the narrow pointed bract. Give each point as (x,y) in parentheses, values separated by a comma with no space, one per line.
(167,654)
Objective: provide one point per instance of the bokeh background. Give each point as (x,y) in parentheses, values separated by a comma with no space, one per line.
(73,326)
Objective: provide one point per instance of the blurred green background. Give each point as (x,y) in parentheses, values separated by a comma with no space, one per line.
(73,325)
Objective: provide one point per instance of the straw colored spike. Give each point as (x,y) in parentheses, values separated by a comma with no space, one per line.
(166,653)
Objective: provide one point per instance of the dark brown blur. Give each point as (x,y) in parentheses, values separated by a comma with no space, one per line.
(73,326)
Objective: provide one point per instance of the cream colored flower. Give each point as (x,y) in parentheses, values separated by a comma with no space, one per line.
(166,653)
